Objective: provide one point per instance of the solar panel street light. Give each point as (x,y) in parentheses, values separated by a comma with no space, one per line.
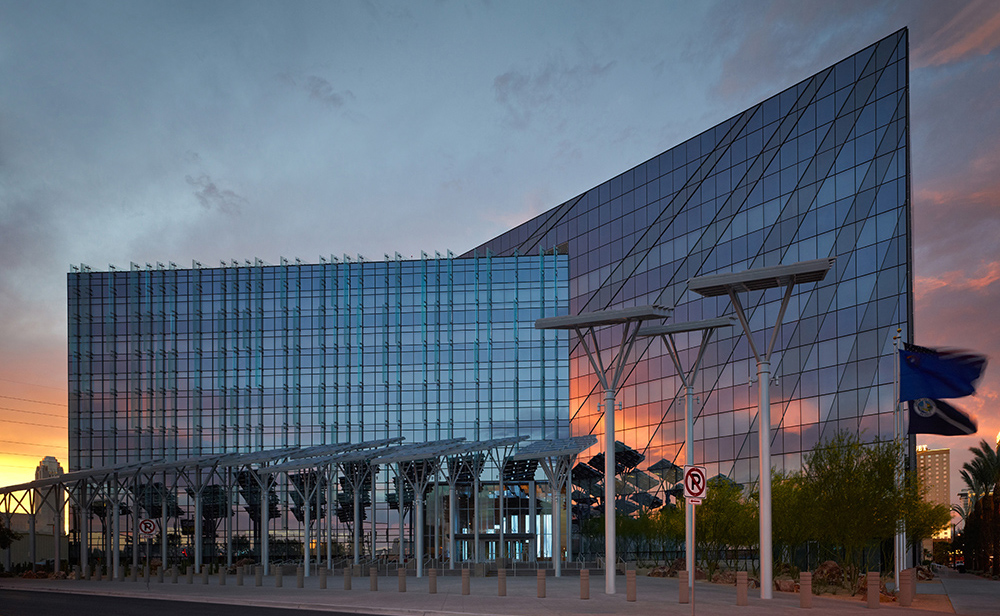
(761,279)
(611,377)
(687,376)
(556,458)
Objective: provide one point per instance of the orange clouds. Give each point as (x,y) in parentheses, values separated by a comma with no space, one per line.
(979,280)
(973,31)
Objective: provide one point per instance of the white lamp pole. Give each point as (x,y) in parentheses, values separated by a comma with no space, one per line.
(780,276)
(666,332)
(611,377)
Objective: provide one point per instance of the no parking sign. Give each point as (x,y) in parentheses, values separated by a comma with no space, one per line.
(695,484)
(149,527)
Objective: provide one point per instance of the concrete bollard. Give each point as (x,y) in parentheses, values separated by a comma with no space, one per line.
(683,590)
(630,585)
(159,575)
(741,588)
(805,589)
(258,575)
(501,582)
(278,581)
(873,581)
(432,582)
(323,573)
(401,573)
(372,579)
(174,572)
(204,575)
(585,583)
(222,576)
(239,576)
(300,577)
(190,575)
(541,583)
(145,574)
(466,574)
(133,575)
(905,588)
(347,578)
(121,573)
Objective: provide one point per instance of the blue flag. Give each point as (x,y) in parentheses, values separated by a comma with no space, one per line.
(933,373)
(928,416)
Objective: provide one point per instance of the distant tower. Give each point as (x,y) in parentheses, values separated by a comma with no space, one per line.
(46,505)
(934,470)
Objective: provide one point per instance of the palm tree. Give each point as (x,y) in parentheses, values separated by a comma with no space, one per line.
(984,468)
(982,476)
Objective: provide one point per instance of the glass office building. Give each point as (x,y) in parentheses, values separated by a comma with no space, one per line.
(168,363)
(818,170)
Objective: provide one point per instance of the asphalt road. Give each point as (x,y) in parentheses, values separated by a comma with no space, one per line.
(34,603)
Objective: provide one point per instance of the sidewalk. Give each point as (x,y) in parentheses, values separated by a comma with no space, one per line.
(971,596)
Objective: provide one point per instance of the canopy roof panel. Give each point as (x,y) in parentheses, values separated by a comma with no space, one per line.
(259,457)
(688,326)
(421,451)
(760,278)
(598,318)
(570,446)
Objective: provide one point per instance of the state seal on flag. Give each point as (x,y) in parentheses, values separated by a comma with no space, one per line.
(924,407)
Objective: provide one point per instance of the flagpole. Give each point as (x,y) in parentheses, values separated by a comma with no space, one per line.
(899,431)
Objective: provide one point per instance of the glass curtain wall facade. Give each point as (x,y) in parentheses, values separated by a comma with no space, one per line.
(818,170)
(169,363)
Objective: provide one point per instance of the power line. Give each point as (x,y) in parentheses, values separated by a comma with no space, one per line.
(5,408)
(33,401)
(30,444)
(13,453)
(34,385)
(28,423)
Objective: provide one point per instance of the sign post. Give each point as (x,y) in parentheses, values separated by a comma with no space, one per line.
(695,490)
(148,528)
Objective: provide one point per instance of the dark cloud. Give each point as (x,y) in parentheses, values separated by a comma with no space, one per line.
(522,94)
(211,197)
(318,89)
(321,90)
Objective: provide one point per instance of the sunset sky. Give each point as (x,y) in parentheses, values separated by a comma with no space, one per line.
(164,132)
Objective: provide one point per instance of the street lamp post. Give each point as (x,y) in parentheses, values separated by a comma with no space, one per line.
(611,376)
(760,279)
(666,332)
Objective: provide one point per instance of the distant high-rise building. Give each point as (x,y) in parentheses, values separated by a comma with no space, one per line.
(933,469)
(46,507)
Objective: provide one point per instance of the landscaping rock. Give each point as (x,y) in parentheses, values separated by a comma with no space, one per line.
(829,573)
(784,585)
